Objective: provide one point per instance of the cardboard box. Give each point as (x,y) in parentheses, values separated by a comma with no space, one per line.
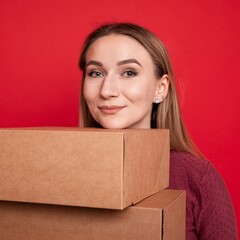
(159,217)
(83,167)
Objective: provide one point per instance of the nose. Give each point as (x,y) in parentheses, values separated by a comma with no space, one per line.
(109,88)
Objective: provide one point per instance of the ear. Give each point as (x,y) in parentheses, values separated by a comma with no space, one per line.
(162,86)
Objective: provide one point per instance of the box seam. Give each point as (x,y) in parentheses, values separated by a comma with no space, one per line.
(123,173)
(162,232)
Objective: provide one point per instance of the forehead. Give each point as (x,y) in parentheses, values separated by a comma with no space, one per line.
(117,47)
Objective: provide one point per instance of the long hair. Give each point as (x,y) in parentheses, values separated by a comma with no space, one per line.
(166,115)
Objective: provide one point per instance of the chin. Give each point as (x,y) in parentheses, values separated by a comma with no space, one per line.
(113,125)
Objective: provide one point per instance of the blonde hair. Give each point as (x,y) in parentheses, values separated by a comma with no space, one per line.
(165,115)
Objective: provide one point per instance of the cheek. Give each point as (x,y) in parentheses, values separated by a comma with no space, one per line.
(89,92)
(140,92)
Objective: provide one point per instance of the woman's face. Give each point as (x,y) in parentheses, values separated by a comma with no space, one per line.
(120,85)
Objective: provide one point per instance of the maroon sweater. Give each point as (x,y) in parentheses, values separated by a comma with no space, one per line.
(210,213)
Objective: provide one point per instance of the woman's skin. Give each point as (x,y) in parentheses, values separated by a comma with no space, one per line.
(120,84)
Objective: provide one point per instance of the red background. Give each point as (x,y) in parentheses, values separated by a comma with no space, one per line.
(40,43)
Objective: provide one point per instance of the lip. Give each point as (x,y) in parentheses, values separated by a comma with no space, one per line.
(111,109)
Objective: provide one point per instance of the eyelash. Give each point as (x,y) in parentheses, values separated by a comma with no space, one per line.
(132,73)
(95,74)
(127,73)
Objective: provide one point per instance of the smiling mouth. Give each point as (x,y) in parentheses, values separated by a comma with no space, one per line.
(111,109)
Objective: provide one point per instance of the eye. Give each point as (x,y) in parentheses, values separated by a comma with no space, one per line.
(130,73)
(95,74)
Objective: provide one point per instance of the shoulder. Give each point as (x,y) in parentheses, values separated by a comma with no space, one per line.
(185,159)
(186,168)
(194,171)
(195,175)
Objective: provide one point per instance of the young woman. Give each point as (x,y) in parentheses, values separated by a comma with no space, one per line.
(128,83)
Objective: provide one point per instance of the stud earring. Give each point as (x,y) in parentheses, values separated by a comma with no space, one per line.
(157,101)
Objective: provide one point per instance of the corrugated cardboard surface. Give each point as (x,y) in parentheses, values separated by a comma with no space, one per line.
(83,167)
(159,217)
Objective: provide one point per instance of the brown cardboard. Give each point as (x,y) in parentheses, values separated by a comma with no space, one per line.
(83,167)
(159,217)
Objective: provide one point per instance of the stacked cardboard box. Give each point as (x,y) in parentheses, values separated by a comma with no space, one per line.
(71,183)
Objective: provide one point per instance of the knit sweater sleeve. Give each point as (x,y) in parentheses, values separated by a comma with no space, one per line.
(216,218)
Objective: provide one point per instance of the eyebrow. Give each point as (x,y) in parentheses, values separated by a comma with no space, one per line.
(131,60)
(93,62)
